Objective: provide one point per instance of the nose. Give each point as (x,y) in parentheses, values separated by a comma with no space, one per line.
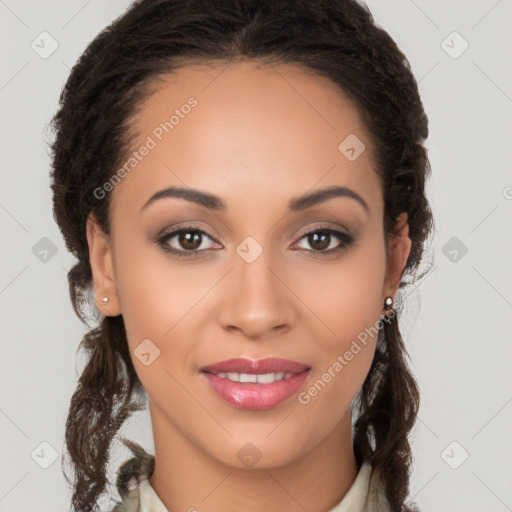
(257,301)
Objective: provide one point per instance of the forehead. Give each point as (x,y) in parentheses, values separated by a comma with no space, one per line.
(251,90)
(264,128)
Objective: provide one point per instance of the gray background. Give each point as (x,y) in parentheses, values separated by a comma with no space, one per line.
(457,324)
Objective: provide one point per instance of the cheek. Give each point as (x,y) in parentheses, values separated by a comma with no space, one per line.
(155,292)
(347,301)
(158,302)
(332,390)
(346,297)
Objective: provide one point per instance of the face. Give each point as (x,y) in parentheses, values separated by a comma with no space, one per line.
(255,272)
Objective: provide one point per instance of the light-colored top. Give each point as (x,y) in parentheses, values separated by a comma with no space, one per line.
(138,496)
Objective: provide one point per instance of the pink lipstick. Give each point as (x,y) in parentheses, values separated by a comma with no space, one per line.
(255,384)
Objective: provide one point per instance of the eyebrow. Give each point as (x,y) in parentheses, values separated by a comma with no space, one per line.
(296,204)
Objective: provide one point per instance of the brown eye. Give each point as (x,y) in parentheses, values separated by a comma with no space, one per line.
(190,240)
(319,240)
(322,238)
(187,241)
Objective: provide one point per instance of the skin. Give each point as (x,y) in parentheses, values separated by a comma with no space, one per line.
(258,137)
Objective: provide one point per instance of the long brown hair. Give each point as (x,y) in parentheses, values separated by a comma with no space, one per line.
(337,39)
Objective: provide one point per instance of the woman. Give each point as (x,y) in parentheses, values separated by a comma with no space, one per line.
(243,185)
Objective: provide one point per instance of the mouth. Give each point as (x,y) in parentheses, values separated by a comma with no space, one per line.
(255,384)
(256,367)
(260,378)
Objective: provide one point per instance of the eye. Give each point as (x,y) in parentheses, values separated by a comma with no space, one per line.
(322,239)
(189,241)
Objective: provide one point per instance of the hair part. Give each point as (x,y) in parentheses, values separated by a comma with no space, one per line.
(337,39)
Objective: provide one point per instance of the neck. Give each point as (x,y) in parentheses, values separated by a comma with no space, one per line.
(187,478)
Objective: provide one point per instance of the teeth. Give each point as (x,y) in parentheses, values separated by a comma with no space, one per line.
(246,377)
(263,378)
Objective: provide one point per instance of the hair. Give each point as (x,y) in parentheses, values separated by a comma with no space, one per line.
(337,39)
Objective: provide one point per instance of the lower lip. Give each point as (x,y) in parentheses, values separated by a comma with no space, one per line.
(254,396)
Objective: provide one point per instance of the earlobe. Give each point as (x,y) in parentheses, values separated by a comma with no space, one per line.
(100,257)
(399,248)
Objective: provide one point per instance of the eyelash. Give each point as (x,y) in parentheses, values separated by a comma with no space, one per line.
(347,241)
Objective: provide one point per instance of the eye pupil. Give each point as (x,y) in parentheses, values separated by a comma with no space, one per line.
(324,238)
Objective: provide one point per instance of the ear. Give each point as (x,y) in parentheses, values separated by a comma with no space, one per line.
(399,247)
(100,257)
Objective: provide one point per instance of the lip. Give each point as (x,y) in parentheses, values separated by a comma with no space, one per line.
(253,395)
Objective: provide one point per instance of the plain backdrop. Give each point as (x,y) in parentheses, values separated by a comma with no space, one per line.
(457,323)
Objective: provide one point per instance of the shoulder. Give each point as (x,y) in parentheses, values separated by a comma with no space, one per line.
(130,474)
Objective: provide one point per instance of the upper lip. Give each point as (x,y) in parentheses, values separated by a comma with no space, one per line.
(250,366)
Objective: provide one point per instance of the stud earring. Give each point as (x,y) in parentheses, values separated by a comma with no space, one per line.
(105,300)
(388,303)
